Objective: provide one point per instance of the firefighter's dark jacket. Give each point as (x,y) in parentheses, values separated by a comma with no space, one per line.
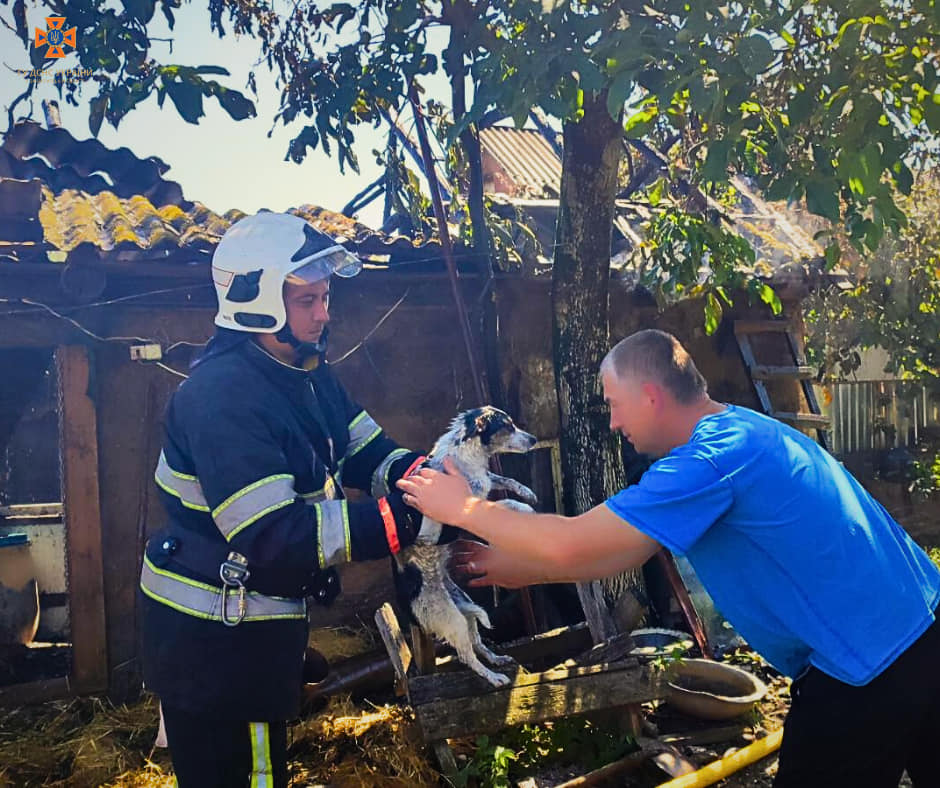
(255,457)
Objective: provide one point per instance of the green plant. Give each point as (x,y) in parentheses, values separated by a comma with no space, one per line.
(675,657)
(489,765)
(925,476)
(501,760)
(934,553)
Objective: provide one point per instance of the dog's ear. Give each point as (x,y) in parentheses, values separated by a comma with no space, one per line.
(474,423)
(484,423)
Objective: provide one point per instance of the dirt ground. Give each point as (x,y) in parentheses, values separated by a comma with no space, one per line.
(88,742)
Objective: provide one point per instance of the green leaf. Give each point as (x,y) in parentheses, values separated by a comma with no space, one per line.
(833,255)
(96,109)
(141,10)
(800,107)
(187,96)
(713,313)
(297,149)
(224,72)
(822,198)
(780,188)
(618,93)
(638,122)
(655,194)
(235,104)
(769,297)
(19,15)
(715,168)
(755,53)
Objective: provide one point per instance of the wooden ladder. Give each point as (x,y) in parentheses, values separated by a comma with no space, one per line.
(761,373)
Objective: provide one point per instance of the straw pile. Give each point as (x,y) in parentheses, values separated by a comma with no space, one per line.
(76,743)
(339,643)
(89,742)
(345,746)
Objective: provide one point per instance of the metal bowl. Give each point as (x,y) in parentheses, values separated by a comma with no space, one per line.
(652,642)
(713,690)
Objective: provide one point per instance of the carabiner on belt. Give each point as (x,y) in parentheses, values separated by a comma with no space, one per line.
(233,573)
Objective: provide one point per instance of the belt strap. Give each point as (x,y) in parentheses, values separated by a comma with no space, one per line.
(205,601)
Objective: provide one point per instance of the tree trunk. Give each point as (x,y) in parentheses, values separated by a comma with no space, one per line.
(591,463)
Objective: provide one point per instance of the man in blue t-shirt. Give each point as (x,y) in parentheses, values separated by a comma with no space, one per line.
(805,564)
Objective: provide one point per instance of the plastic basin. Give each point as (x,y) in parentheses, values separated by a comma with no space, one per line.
(713,690)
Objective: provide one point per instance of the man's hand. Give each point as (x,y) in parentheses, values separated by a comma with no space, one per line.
(488,566)
(444,497)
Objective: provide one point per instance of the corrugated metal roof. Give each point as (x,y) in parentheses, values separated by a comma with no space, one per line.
(62,162)
(527,158)
(35,220)
(133,226)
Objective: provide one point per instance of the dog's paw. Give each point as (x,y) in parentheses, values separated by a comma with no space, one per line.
(526,495)
(500,660)
(498,679)
(516,506)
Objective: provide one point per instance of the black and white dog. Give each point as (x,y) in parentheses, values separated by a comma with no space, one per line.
(422,580)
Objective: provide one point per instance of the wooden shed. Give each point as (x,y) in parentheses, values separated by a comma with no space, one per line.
(100,255)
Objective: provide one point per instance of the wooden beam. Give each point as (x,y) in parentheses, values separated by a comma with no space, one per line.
(768,372)
(812,420)
(598,618)
(604,775)
(78,430)
(761,326)
(394,640)
(34,692)
(462,704)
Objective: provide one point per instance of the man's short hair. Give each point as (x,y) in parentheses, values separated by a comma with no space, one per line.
(656,356)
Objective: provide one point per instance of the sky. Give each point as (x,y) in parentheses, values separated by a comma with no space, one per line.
(219,162)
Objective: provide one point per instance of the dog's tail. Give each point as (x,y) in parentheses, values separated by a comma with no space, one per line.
(481,616)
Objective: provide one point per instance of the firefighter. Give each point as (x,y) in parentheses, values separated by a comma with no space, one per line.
(260,442)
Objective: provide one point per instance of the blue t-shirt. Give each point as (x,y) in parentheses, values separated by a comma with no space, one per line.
(803,562)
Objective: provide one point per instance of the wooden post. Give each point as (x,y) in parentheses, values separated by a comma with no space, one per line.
(596,614)
(78,430)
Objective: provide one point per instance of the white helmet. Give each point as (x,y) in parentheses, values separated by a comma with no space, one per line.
(255,257)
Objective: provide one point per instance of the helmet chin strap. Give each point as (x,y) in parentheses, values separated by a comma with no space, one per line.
(303,349)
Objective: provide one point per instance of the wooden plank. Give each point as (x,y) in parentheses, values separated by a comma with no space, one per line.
(602,776)
(802,419)
(31,511)
(761,326)
(767,372)
(747,353)
(394,640)
(445,757)
(79,446)
(808,391)
(616,649)
(537,699)
(669,759)
(707,735)
(555,643)
(598,617)
(34,692)
(466,683)
(422,647)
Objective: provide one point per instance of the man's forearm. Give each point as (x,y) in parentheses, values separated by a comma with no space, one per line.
(526,535)
(553,548)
